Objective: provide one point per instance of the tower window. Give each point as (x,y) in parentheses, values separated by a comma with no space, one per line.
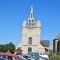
(29,21)
(32,20)
(30,40)
(31,15)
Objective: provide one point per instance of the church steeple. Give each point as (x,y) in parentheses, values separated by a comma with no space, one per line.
(31,21)
(31,12)
(31,17)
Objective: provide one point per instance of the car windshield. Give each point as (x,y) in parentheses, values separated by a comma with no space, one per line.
(26,57)
(42,53)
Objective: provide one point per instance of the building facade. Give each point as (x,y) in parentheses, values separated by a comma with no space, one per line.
(56,44)
(31,36)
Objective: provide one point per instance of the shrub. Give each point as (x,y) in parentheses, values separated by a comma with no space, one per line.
(55,57)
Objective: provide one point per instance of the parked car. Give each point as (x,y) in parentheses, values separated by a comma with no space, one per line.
(43,55)
(22,57)
(9,56)
(34,55)
(1,58)
(28,57)
(39,55)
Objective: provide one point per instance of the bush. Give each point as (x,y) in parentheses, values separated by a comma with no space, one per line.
(58,53)
(55,57)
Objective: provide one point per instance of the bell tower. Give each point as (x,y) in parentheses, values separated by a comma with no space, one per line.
(31,34)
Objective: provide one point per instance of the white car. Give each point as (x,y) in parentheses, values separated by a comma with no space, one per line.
(22,58)
(43,55)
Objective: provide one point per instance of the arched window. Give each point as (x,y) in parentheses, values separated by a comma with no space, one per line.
(33,21)
(30,40)
(29,49)
(31,16)
(29,21)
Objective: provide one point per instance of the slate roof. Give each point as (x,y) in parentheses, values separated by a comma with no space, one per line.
(45,43)
(58,36)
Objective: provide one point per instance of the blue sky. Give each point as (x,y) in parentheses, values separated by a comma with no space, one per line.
(14,12)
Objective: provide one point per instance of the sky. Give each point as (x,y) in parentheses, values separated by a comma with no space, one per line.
(14,12)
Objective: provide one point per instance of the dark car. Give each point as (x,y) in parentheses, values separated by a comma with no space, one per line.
(34,55)
(9,56)
(1,58)
(29,57)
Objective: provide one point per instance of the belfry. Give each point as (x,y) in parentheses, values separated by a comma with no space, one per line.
(31,36)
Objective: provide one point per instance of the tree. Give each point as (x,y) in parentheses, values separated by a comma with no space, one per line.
(1,47)
(11,47)
(50,52)
(18,50)
(6,47)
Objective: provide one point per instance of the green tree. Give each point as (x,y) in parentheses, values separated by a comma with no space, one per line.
(50,52)
(1,47)
(6,47)
(11,47)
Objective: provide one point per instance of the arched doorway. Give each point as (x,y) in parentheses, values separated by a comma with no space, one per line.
(29,49)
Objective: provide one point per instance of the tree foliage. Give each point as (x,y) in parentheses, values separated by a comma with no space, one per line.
(6,47)
(1,47)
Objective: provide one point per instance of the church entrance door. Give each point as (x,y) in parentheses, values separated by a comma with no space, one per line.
(29,49)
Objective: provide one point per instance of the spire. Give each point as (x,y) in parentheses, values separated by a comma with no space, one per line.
(31,12)
(31,17)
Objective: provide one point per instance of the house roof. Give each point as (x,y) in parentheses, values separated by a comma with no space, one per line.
(58,36)
(45,43)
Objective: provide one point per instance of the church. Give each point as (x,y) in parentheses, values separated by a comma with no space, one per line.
(56,44)
(31,36)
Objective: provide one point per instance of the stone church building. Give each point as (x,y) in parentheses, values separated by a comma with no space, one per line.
(56,44)
(31,36)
